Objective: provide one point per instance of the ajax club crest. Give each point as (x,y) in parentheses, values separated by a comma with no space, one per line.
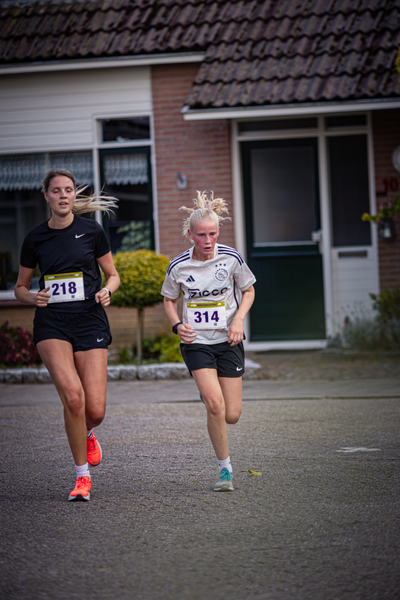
(221,274)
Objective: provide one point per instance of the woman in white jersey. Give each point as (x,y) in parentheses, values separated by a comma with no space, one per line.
(71,329)
(218,292)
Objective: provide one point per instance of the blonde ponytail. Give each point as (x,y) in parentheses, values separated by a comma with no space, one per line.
(86,204)
(205,208)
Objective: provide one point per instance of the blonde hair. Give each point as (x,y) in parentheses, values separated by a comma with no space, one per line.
(205,208)
(83,204)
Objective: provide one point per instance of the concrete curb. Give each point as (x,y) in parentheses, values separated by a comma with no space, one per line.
(360,354)
(121,372)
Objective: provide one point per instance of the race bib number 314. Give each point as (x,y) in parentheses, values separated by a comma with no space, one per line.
(65,287)
(206,315)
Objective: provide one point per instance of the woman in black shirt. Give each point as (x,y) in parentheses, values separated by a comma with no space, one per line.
(71,329)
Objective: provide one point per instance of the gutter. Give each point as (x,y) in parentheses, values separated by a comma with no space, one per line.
(279,110)
(102,63)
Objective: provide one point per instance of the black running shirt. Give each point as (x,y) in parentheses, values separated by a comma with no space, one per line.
(68,250)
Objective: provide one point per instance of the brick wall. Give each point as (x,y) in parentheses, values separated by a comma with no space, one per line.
(386,131)
(199,150)
(122,321)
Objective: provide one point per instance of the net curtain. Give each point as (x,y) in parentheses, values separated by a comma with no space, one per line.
(125,169)
(26,171)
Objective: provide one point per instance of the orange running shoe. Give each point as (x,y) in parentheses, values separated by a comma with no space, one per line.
(93,450)
(81,490)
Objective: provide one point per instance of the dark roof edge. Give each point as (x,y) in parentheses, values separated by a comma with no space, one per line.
(247,112)
(101,63)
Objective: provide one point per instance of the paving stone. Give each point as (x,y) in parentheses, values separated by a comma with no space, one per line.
(113,373)
(43,376)
(127,372)
(13,375)
(31,375)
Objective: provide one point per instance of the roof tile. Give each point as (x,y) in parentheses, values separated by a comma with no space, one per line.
(257,51)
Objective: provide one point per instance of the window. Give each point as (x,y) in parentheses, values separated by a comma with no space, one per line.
(278,124)
(346,121)
(125,174)
(22,205)
(348,166)
(284,192)
(123,130)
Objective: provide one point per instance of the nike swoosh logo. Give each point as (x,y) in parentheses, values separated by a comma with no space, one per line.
(100,340)
(78,236)
(239,368)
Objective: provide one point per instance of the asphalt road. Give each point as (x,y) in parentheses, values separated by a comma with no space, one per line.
(322,521)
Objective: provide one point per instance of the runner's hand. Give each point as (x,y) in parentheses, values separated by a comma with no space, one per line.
(186,333)
(42,298)
(103,297)
(235,332)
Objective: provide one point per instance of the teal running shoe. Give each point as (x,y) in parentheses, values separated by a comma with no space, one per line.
(225,482)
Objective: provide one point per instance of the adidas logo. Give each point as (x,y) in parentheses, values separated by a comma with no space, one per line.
(190,279)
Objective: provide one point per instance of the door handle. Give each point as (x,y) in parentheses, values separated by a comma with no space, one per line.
(317,236)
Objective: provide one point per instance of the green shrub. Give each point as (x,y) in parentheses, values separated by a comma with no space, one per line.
(124,356)
(160,348)
(170,349)
(137,236)
(376,334)
(142,274)
(387,303)
(17,348)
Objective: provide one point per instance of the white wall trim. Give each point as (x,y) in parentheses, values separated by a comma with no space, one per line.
(301,345)
(103,63)
(289,110)
(372,195)
(238,204)
(237,190)
(325,209)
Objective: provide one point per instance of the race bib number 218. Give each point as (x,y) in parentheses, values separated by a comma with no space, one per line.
(65,287)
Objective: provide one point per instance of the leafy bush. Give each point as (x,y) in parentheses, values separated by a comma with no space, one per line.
(17,348)
(137,236)
(142,274)
(161,348)
(387,304)
(124,356)
(385,212)
(376,334)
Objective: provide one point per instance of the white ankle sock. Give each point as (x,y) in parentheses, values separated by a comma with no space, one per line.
(225,464)
(82,470)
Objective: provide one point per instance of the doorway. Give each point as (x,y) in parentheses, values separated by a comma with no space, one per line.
(282,222)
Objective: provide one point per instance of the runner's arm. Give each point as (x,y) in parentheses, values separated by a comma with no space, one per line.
(22,292)
(185,332)
(235,333)
(112,278)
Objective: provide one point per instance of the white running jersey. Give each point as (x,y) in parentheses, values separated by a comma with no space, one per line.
(211,290)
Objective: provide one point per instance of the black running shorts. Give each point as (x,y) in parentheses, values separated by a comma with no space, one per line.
(84,331)
(226,359)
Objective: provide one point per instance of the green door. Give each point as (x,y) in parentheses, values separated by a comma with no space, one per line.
(280,183)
